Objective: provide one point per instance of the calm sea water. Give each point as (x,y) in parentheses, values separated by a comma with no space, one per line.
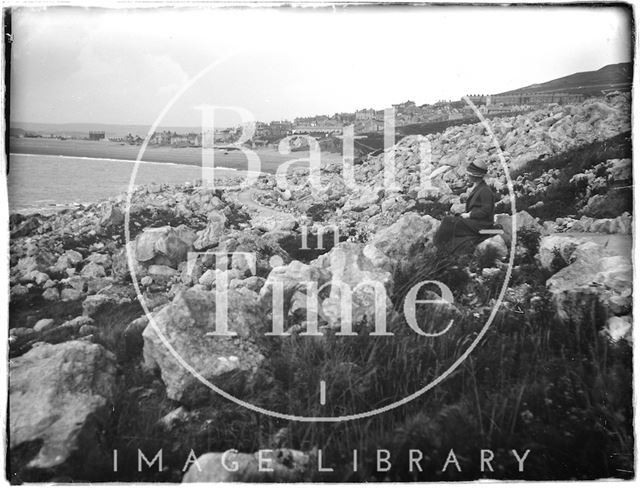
(40,182)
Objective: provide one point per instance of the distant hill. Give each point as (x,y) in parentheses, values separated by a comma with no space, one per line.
(611,77)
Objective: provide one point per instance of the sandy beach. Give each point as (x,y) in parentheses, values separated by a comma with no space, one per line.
(270,159)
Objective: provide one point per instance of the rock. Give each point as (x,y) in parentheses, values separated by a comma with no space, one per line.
(491,272)
(262,246)
(132,337)
(120,266)
(273,223)
(18,291)
(43,325)
(495,244)
(60,396)
(95,285)
(165,245)
(69,259)
(26,227)
(75,282)
(162,271)
(624,223)
(173,419)
(27,266)
(408,235)
(93,270)
(210,236)
(100,259)
(619,170)
(23,333)
(524,220)
(68,295)
(208,278)
(367,198)
(620,304)
(20,340)
(61,333)
(368,283)
(88,329)
(588,282)
(292,279)
(112,216)
(615,273)
(51,294)
(606,226)
(619,328)
(279,465)
(229,362)
(39,278)
(252,283)
(78,322)
(96,303)
(555,251)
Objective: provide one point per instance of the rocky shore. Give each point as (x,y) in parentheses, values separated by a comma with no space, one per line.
(81,346)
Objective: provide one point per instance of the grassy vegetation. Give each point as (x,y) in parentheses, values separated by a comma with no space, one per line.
(530,384)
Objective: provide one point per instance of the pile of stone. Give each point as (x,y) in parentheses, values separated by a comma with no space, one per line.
(371,202)
(522,138)
(81,257)
(623,224)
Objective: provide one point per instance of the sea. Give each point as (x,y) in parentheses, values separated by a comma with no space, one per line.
(45,183)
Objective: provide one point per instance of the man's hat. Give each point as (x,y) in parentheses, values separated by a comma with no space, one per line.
(477,169)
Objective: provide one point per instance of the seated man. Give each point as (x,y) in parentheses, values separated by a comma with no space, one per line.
(460,233)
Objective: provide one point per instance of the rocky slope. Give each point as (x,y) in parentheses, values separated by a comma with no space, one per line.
(76,314)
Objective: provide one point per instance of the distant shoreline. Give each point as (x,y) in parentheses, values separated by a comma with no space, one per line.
(270,159)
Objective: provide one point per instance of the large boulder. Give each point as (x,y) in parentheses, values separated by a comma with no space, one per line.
(523,219)
(408,234)
(69,259)
(292,278)
(280,465)
(349,265)
(111,216)
(60,399)
(165,245)
(187,324)
(494,245)
(271,222)
(555,252)
(120,263)
(619,328)
(29,265)
(93,270)
(590,282)
(96,303)
(210,236)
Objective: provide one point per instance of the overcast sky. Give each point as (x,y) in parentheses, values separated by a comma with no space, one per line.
(123,66)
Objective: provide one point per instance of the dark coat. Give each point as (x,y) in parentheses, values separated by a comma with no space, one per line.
(480,205)
(456,232)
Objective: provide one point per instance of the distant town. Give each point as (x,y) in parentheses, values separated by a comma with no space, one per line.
(368,123)
(365,121)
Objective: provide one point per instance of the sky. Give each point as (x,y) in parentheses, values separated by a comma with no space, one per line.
(73,65)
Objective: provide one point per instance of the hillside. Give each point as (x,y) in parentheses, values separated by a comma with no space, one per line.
(615,76)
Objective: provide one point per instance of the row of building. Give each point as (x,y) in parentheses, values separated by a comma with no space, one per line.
(369,120)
